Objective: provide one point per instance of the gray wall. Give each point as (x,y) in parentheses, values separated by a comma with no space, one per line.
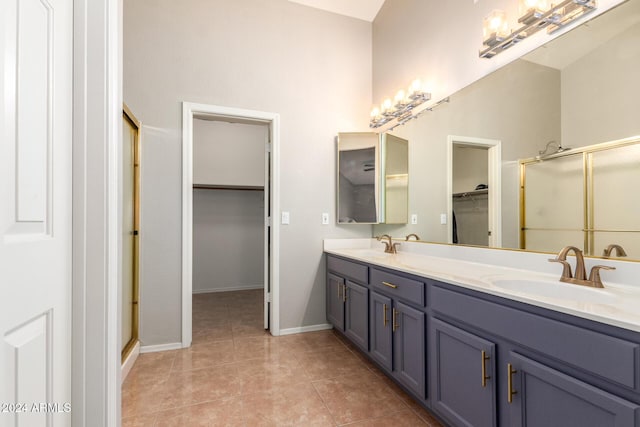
(228,240)
(311,67)
(228,153)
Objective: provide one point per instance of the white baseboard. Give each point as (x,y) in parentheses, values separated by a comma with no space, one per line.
(303,329)
(128,363)
(160,347)
(227,289)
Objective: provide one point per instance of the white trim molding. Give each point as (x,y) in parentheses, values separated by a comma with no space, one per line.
(128,363)
(97,135)
(304,329)
(160,347)
(190,111)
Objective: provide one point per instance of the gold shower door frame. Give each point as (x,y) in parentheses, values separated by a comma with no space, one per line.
(588,228)
(132,121)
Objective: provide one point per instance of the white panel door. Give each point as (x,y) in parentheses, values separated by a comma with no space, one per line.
(35,212)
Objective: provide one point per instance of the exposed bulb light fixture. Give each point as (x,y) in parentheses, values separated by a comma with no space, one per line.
(534,15)
(401,107)
(495,28)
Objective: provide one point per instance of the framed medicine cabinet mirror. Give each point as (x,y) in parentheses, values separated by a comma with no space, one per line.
(373,178)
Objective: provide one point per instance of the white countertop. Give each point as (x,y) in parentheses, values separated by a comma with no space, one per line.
(617,304)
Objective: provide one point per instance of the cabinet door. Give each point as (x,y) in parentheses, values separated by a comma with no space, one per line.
(463,376)
(381,334)
(335,301)
(545,397)
(356,319)
(409,347)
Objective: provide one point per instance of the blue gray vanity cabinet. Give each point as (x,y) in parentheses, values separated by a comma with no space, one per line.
(335,300)
(463,376)
(552,369)
(347,301)
(398,335)
(542,396)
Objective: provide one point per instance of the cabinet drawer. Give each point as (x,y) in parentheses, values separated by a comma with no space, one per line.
(398,286)
(611,358)
(348,269)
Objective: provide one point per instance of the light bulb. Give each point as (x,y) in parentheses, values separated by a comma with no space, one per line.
(375,112)
(386,105)
(399,99)
(495,24)
(416,86)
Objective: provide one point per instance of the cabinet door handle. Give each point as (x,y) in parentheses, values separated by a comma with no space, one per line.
(339,290)
(395,320)
(510,390)
(391,285)
(485,377)
(384,315)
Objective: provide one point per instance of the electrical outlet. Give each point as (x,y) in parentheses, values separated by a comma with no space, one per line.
(443,218)
(325,218)
(285,218)
(414,219)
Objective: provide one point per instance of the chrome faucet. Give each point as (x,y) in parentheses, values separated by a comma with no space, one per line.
(408,236)
(594,279)
(389,247)
(619,251)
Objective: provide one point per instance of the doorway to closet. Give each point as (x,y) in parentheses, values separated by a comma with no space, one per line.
(230,190)
(474,191)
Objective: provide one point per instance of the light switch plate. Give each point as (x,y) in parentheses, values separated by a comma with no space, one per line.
(285,218)
(443,218)
(325,218)
(414,219)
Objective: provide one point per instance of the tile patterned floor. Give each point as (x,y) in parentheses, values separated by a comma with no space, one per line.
(235,374)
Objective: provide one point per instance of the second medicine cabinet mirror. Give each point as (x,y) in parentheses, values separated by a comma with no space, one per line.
(373,178)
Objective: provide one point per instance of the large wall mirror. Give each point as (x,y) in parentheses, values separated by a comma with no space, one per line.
(578,90)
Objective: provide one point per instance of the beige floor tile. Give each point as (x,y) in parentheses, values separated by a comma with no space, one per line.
(139,421)
(261,347)
(296,405)
(399,419)
(139,399)
(220,413)
(217,333)
(331,362)
(358,397)
(201,385)
(204,355)
(270,375)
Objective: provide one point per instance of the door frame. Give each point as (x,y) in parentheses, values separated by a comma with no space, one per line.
(190,111)
(494,182)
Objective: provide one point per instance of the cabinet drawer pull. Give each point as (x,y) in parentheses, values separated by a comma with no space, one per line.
(485,377)
(391,285)
(395,320)
(384,315)
(511,391)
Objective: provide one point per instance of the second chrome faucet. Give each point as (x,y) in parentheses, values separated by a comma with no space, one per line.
(579,278)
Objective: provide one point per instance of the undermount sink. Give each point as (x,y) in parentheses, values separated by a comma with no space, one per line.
(557,290)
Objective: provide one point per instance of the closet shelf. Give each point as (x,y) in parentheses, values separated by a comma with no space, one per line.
(471,193)
(228,187)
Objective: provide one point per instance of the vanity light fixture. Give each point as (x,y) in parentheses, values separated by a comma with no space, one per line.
(401,108)
(534,16)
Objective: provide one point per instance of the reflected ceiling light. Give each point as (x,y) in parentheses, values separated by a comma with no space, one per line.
(401,107)
(534,15)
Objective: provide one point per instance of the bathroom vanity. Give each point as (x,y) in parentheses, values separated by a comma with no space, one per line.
(468,343)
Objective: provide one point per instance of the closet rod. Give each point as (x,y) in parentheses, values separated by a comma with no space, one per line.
(227,187)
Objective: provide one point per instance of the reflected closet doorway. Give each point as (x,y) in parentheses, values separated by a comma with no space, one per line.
(474,191)
(199,113)
(130,345)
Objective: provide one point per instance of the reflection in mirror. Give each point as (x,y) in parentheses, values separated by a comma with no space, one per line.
(580,89)
(357,177)
(579,197)
(396,179)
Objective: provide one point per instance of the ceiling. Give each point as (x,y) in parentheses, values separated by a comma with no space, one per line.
(361,9)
